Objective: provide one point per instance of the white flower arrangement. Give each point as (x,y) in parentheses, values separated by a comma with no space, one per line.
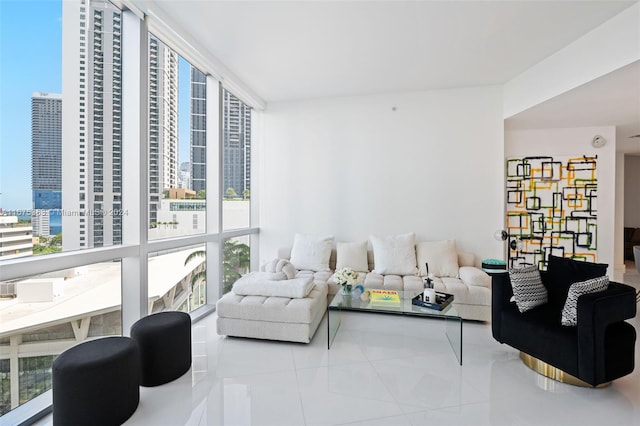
(345,276)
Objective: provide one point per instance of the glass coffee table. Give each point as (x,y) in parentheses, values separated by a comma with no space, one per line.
(342,302)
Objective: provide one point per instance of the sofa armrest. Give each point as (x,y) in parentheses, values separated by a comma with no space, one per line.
(472,276)
(466,259)
(501,292)
(596,312)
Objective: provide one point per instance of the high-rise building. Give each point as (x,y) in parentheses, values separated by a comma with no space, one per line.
(198,134)
(15,238)
(46,146)
(236,149)
(163,123)
(41,222)
(91,128)
(184,175)
(236,144)
(92,123)
(46,161)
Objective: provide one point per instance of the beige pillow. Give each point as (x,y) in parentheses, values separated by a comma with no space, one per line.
(442,257)
(310,252)
(394,254)
(352,255)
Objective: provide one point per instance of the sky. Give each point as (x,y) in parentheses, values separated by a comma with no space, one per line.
(31,61)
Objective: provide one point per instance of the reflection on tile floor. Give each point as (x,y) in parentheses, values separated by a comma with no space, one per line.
(382,370)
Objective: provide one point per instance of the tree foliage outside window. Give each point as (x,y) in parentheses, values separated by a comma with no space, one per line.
(5,386)
(235,263)
(49,245)
(231,193)
(34,376)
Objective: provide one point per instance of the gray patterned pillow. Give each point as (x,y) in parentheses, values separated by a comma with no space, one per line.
(528,289)
(570,310)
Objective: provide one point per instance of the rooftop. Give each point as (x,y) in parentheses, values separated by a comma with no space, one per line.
(94,290)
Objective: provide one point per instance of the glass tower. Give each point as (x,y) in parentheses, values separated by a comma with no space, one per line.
(46,161)
(198,129)
(236,148)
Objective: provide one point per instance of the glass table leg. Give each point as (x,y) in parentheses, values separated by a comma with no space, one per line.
(454,335)
(333,323)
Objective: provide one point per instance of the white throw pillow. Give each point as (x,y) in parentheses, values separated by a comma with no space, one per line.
(352,255)
(441,256)
(311,252)
(394,254)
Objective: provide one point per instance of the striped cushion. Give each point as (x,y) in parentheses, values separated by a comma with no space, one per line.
(528,289)
(570,310)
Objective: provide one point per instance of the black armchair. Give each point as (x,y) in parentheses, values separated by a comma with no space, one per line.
(596,351)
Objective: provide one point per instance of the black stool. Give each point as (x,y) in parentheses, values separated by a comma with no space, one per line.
(164,340)
(96,382)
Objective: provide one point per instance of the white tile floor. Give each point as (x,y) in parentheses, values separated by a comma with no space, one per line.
(382,370)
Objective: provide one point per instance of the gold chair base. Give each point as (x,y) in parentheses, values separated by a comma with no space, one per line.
(554,373)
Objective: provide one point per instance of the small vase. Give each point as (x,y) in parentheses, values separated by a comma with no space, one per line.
(346,289)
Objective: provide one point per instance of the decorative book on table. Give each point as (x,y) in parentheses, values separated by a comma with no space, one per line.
(386,297)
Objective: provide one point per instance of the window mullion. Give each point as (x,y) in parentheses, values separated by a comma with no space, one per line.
(134,173)
(214,186)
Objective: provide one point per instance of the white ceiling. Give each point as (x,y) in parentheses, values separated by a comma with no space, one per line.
(293,50)
(613,99)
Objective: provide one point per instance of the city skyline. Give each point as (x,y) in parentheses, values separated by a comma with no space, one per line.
(24,72)
(64,148)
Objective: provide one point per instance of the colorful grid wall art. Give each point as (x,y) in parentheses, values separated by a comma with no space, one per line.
(551,209)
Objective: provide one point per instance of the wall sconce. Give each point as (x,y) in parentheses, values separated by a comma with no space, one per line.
(502,235)
(516,244)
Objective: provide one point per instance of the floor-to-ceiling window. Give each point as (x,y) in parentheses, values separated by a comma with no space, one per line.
(111,185)
(236,186)
(62,183)
(177,207)
(236,161)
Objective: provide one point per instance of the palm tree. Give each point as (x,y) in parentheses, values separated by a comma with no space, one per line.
(235,263)
(200,275)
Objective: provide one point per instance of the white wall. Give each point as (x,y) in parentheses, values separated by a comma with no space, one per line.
(632,191)
(577,141)
(427,162)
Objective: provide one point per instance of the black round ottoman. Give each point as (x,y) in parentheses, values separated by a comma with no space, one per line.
(164,340)
(96,382)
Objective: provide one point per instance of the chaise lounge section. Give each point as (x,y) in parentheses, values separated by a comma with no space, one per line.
(272,317)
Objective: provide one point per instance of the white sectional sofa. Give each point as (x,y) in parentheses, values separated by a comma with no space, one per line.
(296,319)
(470,285)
